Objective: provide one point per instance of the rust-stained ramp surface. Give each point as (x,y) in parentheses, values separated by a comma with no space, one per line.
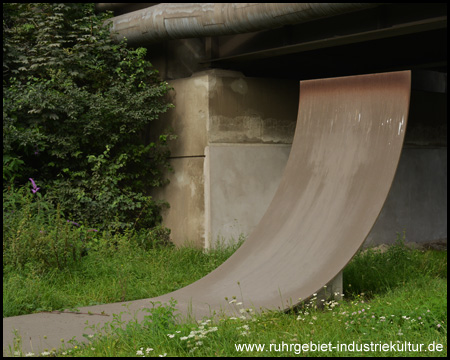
(346,148)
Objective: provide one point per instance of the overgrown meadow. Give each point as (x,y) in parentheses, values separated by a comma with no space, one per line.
(396,299)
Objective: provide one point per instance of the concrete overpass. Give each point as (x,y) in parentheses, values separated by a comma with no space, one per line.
(235,69)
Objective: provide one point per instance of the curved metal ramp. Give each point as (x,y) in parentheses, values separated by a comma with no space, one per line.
(346,148)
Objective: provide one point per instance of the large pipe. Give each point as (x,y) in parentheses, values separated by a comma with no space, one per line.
(183,20)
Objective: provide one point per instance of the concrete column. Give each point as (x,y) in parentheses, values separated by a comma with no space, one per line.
(234,136)
(185,193)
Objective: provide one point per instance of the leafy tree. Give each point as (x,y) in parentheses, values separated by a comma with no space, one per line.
(76,114)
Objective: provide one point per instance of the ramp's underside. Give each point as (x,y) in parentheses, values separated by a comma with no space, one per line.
(346,148)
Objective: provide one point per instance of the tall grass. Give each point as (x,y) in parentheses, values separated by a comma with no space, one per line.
(51,262)
(129,273)
(373,271)
(412,311)
(393,297)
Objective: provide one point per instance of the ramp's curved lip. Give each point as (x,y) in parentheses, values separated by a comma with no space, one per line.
(346,149)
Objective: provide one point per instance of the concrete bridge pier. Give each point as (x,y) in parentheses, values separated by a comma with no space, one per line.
(234,138)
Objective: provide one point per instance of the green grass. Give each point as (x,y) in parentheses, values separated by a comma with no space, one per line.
(373,272)
(51,263)
(122,276)
(391,298)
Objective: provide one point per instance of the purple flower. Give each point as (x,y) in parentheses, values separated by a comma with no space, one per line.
(73,222)
(90,230)
(35,188)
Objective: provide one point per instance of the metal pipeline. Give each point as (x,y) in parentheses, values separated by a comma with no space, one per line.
(183,20)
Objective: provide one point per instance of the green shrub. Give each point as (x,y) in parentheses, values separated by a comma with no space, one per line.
(152,238)
(76,114)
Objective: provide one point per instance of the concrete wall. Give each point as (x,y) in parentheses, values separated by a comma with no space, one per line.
(234,136)
(417,202)
(242,181)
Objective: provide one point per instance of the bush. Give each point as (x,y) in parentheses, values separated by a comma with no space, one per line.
(76,111)
(152,238)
